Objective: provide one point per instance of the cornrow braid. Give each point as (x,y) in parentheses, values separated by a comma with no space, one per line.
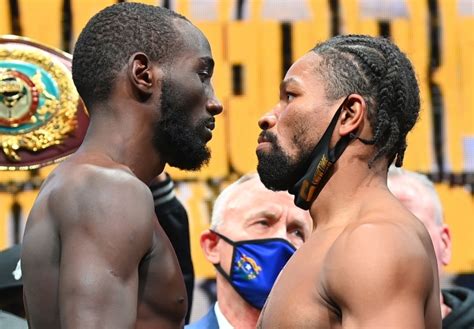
(376,69)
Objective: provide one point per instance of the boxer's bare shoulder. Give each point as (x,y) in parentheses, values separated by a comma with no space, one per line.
(94,222)
(380,269)
(362,275)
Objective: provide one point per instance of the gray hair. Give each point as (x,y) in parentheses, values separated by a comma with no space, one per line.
(423,182)
(223,199)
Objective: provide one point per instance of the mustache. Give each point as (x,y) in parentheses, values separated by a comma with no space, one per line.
(206,123)
(268,137)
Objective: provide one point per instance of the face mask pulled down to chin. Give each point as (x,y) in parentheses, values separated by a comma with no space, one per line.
(322,159)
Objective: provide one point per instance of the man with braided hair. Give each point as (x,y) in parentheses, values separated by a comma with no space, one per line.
(344,112)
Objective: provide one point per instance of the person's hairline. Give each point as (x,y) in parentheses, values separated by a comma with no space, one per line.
(178,22)
(317,71)
(165,64)
(223,199)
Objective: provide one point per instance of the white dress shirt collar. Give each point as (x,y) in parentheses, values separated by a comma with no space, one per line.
(221,319)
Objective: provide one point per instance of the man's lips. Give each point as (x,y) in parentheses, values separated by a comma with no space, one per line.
(211,124)
(264,142)
(262,138)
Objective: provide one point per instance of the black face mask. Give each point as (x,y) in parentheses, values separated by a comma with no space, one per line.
(322,159)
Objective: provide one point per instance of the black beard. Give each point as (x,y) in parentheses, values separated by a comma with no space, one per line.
(277,171)
(176,139)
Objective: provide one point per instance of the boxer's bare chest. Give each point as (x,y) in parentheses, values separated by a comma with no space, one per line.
(299,299)
(161,293)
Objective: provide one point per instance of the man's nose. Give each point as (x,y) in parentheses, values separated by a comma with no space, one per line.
(214,106)
(267,121)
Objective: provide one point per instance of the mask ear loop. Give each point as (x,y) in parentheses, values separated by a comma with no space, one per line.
(320,165)
(365,141)
(223,237)
(222,272)
(341,145)
(354,136)
(218,265)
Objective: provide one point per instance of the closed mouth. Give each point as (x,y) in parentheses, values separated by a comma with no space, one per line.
(262,138)
(211,124)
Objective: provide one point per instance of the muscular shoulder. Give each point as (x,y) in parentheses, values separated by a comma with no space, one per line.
(88,182)
(102,197)
(378,258)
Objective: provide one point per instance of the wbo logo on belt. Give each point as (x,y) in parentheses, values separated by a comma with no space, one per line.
(42,119)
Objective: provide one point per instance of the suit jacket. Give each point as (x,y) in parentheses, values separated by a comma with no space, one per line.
(209,321)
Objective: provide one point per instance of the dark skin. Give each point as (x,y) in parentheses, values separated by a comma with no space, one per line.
(369,262)
(94,254)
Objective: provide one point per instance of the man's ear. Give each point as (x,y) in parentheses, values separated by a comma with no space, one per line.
(352,115)
(209,244)
(141,75)
(446,245)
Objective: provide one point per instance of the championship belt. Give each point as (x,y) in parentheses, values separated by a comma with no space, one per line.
(42,118)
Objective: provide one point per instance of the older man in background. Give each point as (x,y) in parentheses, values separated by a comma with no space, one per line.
(418,195)
(254,231)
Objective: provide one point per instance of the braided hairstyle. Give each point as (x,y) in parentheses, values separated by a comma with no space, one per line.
(112,36)
(376,69)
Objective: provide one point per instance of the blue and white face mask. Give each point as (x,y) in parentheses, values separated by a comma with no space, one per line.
(255,266)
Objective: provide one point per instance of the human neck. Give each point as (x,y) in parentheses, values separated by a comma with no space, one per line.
(351,185)
(237,311)
(123,137)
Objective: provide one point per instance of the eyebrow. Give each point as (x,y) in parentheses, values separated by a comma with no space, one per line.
(288,81)
(208,61)
(263,213)
(300,222)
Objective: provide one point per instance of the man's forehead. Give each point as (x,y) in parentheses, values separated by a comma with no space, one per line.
(251,201)
(303,69)
(194,41)
(253,197)
(248,192)
(207,61)
(308,61)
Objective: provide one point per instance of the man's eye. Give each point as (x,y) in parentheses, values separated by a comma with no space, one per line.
(204,75)
(299,234)
(289,97)
(263,223)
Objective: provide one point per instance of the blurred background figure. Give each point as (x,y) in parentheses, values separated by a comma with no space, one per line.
(253,233)
(417,193)
(12,312)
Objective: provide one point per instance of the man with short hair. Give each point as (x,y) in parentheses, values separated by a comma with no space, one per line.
(254,231)
(94,255)
(344,112)
(418,194)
